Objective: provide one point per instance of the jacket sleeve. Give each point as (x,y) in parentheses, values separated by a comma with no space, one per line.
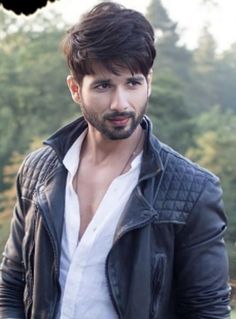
(12,270)
(201,262)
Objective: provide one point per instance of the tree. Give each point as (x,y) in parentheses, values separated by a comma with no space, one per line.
(169,108)
(34,99)
(159,17)
(225,79)
(171,119)
(171,55)
(203,92)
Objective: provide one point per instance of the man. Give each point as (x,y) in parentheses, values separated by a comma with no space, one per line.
(109,222)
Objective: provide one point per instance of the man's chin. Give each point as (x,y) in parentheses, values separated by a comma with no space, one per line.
(118,134)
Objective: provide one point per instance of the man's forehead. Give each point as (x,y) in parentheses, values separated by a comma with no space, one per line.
(101,71)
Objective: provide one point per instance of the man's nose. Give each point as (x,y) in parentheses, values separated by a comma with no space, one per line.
(119,100)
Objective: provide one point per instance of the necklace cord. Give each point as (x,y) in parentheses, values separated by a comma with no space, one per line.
(133,154)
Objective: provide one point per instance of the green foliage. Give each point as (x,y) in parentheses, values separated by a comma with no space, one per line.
(159,17)
(34,96)
(171,118)
(225,79)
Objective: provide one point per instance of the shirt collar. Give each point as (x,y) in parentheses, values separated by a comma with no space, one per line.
(72,157)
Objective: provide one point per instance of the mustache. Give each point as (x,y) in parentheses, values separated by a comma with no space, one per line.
(114,115)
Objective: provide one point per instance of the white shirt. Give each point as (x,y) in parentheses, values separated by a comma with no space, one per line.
(82,266)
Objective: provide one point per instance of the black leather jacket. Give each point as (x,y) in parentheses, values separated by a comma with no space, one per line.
(168,259)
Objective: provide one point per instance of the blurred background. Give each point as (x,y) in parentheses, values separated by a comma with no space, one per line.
(193,104)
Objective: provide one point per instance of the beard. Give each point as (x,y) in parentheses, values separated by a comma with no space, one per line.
(103,122)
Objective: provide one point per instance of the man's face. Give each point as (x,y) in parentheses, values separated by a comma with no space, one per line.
(113,104)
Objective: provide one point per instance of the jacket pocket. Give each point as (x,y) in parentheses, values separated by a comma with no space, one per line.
(159,262)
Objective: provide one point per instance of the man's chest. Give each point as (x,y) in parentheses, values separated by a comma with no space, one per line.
(90,187)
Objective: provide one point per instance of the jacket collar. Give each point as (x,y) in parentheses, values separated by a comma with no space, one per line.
(151,162)
(63,138)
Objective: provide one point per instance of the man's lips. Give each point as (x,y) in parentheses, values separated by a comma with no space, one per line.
(119,121)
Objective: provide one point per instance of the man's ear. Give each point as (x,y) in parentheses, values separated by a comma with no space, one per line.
(74,88)
(149,82)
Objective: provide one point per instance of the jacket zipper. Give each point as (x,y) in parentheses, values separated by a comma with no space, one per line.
(107,271)
(56,272)
(158,274)
(140,225)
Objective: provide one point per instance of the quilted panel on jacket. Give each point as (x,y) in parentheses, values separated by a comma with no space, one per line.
(36,168)
(181,185)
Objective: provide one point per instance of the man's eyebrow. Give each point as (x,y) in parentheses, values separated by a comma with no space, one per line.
(139,78)
(101,81)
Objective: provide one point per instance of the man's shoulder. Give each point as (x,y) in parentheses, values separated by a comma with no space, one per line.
(179,164)
(39,159)
(37,166)
(181,185)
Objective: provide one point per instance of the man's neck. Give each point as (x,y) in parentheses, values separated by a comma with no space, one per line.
(98,148)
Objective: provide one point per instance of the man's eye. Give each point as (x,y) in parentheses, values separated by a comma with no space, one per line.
(134,83)
(102,86)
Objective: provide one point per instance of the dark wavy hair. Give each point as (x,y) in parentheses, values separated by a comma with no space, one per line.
(113,36)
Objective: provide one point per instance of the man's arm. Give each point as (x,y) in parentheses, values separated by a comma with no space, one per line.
(201,261)
(12,270)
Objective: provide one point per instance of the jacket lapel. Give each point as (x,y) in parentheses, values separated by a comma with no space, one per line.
(51,199)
